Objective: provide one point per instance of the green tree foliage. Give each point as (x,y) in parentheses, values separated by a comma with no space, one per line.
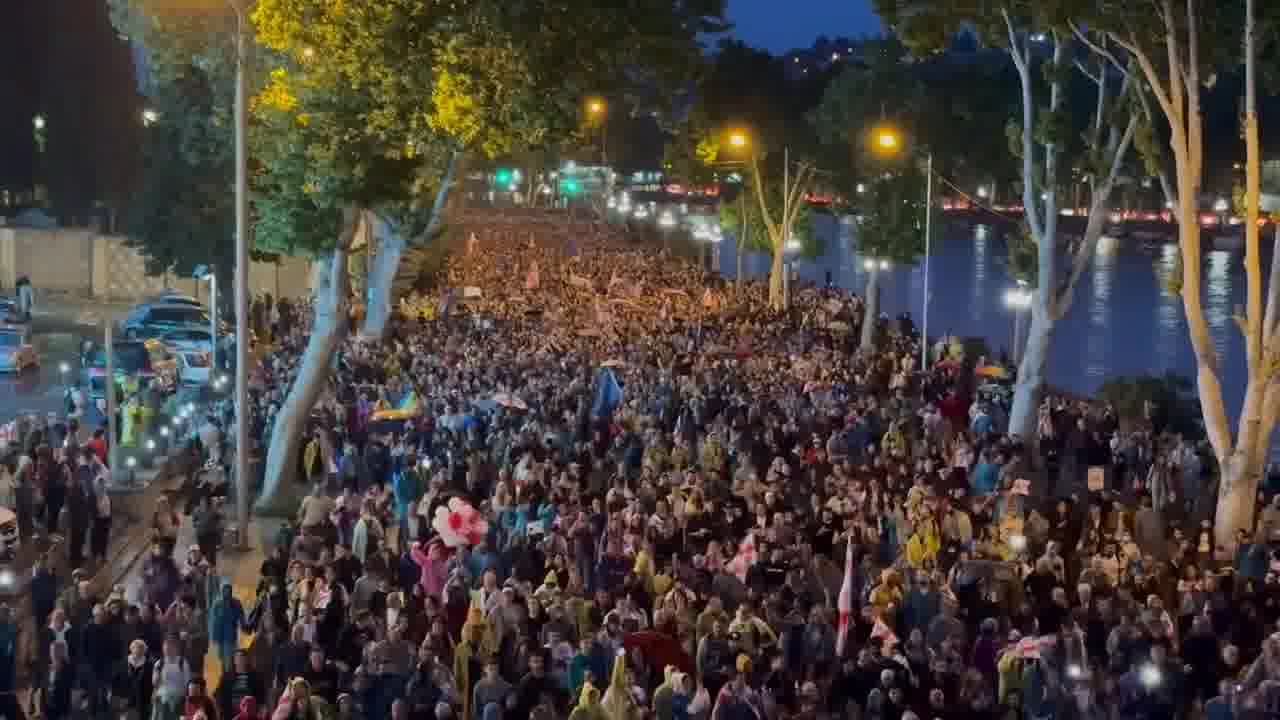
(183,212)
(893,216)
(377,99)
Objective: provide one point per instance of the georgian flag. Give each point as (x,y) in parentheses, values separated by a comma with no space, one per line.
(845,601)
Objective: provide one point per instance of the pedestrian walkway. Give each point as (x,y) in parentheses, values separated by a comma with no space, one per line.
(242,568)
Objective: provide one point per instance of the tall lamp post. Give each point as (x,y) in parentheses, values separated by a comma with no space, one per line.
(598,111)
(243,485)
(888,141)
(739,139)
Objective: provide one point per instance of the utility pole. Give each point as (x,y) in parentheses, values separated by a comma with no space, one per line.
(243,483)
(113,450)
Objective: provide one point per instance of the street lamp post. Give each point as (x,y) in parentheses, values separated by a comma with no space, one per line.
(888,141)
(242,276)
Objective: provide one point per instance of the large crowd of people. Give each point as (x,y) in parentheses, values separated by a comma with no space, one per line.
(588,480)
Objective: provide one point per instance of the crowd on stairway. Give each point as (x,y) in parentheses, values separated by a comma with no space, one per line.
(585,479)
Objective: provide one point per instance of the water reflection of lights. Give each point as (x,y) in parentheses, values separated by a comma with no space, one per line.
(1218,308)
(978,299)
(1168,317)
(1099,343)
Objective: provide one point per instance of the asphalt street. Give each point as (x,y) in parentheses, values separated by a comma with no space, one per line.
(58,330)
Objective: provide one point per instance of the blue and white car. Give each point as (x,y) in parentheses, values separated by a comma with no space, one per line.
(16,351)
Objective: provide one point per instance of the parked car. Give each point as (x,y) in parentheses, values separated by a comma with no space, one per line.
(130,358)
(194,367)
(16,351)
(10,315)
(173,297)
(152,320)
(183,353)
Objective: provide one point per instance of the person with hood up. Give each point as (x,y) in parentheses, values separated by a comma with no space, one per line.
(226,620)
(671,698)
(589,706)
(619,704)
(478,644)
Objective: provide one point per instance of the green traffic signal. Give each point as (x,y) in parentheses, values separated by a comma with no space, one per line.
(503,177)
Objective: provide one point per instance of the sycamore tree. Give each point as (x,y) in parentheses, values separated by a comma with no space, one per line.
(1179,49)
(1044,51)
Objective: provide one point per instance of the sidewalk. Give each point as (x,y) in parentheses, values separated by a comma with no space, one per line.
(241,567)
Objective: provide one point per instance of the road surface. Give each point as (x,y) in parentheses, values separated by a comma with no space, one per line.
(59,327)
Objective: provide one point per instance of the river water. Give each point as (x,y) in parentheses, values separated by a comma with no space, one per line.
(1124,320)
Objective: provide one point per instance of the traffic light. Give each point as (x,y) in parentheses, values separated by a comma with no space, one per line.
(570,186)
(503,177)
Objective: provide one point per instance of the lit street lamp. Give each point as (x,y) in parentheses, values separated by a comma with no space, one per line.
(888,141)
(149,117)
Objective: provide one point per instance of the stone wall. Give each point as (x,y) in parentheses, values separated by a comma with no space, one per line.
(87,264)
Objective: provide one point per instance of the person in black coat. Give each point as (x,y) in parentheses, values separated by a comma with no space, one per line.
(54,683)
(44,589)
(132,684)
(79,515)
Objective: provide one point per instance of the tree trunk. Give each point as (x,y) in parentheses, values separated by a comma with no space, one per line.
(872,310)
(391,246)
(1237,499)
(777,273)
(1031,373)
(329,330)
(740,253)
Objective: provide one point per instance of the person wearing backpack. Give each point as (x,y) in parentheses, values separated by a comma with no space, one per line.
(169,678)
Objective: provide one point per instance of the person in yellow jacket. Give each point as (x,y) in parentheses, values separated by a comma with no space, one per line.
(129,430)
(887,594)
(311,460)
(618,702)
(643,568)
(925,542)
(479,643)
(588,707)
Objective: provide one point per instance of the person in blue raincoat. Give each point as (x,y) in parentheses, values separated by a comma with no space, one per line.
(226,619)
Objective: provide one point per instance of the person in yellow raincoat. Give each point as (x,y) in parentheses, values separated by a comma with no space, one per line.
(479,643)
(925,542)
(889,592)
(129,427)
(588,707)
(618,703)
(894,440)
(644,569)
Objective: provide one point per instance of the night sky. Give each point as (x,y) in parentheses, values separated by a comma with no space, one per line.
(782,25)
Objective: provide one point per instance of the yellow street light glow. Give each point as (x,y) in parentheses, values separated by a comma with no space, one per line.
(738,139)
(595,107)
(886,139)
